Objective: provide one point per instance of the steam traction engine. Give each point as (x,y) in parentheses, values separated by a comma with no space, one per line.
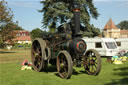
(65,48)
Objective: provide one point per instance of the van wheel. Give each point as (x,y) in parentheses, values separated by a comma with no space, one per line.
(92,62)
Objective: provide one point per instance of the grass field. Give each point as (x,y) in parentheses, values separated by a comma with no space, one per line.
(10,73)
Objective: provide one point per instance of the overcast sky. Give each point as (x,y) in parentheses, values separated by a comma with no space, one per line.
(26,12)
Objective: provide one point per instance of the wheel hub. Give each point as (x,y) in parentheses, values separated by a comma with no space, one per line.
(92,62)
(62,65)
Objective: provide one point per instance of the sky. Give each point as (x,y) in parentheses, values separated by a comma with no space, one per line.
(28,17)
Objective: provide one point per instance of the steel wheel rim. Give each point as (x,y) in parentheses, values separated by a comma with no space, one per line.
(37,56)
(91,63)
(62,65)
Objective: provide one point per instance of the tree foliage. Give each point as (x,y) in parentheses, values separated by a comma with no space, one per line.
(59,11)
(51,28)
(6,22)
(36,33)
(92,31)
(6,14)
(123,25)
(16,26)
(6,32)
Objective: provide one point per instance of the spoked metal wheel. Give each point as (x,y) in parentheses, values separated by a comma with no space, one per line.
(92,62)
(38,54)
(64,64)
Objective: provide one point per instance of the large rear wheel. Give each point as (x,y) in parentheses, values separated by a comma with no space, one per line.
(92,62)
(64,64)
(38,54)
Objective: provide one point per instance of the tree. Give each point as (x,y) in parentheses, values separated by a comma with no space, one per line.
(36,33)
(6,14)
(123,25)
(15,26)
(92,31)
(95,31)
(59,11)
(51,28)
(7,32)
(5,21)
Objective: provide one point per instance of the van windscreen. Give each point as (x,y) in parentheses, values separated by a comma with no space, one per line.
(111,45)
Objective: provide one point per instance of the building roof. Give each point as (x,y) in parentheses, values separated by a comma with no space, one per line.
(22,38)
(124,32)
(21,32)
(110,25)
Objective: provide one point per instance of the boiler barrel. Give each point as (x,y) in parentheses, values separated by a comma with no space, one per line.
(74,46)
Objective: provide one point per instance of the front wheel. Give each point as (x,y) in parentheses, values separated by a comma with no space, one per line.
(64,64)
(92,62)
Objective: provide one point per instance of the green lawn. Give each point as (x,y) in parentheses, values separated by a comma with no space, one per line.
(7,56)
(10,73)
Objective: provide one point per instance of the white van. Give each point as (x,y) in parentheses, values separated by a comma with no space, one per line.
(122,43)
(105,46)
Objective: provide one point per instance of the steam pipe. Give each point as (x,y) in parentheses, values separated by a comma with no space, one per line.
(76,19)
